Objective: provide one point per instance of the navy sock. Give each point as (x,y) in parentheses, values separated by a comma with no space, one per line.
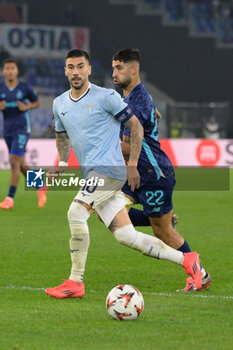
(12,191)
(184,248)
(138,217)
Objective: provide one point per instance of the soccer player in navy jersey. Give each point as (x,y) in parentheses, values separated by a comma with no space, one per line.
(16,99)
(157,177)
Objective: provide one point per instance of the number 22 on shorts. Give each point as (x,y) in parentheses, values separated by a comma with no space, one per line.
(155,198)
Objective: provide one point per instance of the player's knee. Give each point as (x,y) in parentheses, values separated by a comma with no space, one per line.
(164,233)
(14,163)
(77,212)
(23,166)
(158,232)
(126,235)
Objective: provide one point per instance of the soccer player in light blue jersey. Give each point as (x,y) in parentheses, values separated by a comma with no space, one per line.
(16,99)
(88,118)
(157,177)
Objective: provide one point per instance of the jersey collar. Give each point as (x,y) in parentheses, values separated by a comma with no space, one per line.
(132,90)
(84,94)
(11,89)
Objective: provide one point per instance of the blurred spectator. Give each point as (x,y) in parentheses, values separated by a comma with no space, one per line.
(203,15)
(42,68)
(229,127)
(3,55)
(215,7)
(212,130)
(176,127)
(226,20)
(225,10)
(176,9)
(70,15)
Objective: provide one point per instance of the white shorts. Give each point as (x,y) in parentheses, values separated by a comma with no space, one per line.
(107,200)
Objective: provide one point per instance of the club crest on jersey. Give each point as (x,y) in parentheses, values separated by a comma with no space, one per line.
(90,107)
(3,95)
(19,95)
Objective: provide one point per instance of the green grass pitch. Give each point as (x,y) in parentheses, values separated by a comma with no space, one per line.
(35,255)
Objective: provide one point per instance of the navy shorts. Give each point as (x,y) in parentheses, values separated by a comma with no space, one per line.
(17,142)
(156,197)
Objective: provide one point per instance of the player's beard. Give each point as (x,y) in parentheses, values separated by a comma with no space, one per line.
(77,87)
(123,84)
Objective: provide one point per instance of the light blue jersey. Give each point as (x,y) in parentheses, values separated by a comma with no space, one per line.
(92,123)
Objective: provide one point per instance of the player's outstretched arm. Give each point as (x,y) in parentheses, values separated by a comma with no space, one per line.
(63,148)
(136,136)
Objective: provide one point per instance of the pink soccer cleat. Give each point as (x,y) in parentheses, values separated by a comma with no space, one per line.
(190,286)
(68,289)
(8,203)
(42,198)
(191,266)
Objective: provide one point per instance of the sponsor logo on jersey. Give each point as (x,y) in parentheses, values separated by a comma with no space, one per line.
(64,113)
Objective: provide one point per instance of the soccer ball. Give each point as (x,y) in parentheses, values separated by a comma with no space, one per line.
(125,302)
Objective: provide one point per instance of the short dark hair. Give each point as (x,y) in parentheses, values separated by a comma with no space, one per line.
(77,53)
(127,55)
(9,60)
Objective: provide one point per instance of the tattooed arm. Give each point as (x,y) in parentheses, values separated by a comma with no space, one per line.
(125,147)
(136,136)
(63,148)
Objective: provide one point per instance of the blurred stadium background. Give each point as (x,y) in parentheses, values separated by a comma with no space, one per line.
(187,60)
(187,55)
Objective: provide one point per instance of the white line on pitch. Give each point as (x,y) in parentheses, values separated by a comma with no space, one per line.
(196,295)
(21,288)
(191,294)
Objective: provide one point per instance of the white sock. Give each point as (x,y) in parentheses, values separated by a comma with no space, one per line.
(148,245)
(79,244)
(203,272)
(154,247)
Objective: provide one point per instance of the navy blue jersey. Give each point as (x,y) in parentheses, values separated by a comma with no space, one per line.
(16,121)
(152,158)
